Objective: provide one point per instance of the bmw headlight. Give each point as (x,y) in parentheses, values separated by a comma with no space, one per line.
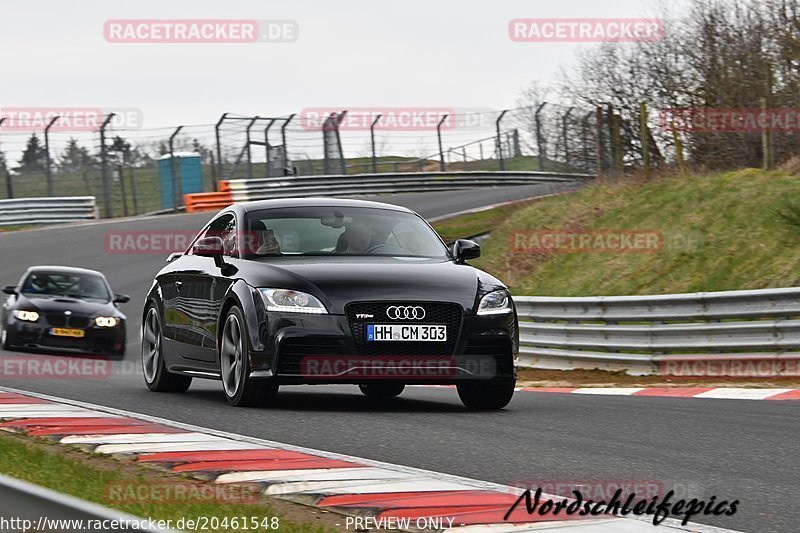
(291,301)
(106,321)
(27,316)
(495,303)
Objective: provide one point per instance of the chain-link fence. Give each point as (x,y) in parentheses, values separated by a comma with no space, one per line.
(135,171)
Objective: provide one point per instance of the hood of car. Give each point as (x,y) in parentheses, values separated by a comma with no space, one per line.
(50,304)
(348,279)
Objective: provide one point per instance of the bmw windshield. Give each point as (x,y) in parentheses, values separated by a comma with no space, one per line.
(340,231)
(52,284)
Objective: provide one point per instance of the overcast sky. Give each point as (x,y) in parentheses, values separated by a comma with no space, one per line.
(349,53)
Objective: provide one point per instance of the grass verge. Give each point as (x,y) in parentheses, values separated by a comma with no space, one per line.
(113,482)
(717,232)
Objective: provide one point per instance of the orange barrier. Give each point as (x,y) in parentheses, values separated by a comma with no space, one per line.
(224,186)
(207,201)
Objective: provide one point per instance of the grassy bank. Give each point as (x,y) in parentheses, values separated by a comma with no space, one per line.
(713,232)
(110,482)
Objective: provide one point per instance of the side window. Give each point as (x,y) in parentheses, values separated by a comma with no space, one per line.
(225,228)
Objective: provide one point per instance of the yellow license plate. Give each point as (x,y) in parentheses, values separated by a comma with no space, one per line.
(66,332)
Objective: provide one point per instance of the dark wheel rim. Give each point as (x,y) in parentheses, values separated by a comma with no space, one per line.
(151,345)
(231,356)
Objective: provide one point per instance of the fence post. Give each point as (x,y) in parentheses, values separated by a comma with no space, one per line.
(539,144)
(678,149)
(104,168)
(219,147)
(564,125)
(133,186)
(249,152)
(439,137)
(644,133)
(283,140)
(47,155)
(766,161)
(499,141)
(177,186)
(600,148)
(372,141)
(619,165)
(9,187)
(585,139)
(266,141)
(122,187)
(464,155)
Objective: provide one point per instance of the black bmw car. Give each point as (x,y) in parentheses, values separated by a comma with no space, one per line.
(310,291)
(63,309)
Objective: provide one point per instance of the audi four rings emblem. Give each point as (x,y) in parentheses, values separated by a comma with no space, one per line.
(397,312)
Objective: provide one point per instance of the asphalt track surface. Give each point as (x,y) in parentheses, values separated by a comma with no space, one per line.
(734,449)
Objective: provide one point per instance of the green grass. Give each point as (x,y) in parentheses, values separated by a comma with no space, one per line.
(472,224)
(720,232)
(94,478)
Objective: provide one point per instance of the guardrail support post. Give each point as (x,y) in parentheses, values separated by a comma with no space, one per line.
(499,140)
(539,143)
(372,139)
(439,137)
(283,140)
(177,186)
(249,152)
(266,141)
(219,149)
(47,155)
(104,168)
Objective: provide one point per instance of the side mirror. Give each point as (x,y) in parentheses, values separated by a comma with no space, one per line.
(10,289)
(121,298)
(464,250)
(209,247)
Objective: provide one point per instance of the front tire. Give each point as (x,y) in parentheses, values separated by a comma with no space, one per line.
(156,376)
(240,389)
(382,390)
(486,394)
(4,339)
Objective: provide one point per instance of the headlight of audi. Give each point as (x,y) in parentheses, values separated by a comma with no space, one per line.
(291,301)
(27,316)
(495,303)
(106,321)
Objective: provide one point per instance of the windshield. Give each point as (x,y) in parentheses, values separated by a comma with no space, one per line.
(83,286)
(353,231)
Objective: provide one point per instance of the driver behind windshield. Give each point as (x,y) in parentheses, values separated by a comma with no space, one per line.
(359,235)
(39,284)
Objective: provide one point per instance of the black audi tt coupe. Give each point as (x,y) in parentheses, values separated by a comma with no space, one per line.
(311,291)
(63,309)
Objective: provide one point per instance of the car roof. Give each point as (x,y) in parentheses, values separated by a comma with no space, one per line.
(63,270)
(316,202)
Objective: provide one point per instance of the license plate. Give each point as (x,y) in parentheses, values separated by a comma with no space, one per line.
(406,332)
(66,332)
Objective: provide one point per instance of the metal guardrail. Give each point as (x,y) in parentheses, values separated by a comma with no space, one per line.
(51,210)
(346,185)
(48,510)
(638,333)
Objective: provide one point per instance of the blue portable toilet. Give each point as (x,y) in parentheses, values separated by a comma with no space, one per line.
(189,170)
